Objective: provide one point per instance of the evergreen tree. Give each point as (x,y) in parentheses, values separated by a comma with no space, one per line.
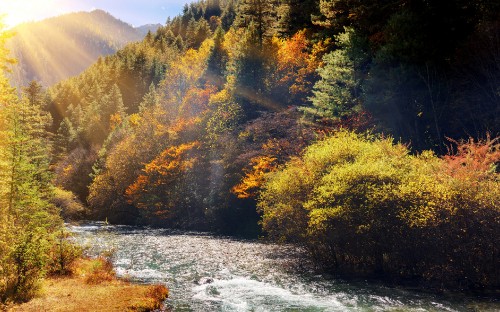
(202,32)
(295,15)
(33,93)
(179,43)
(217,61)
(75,115)
(26,215)
(169,37)
(64,139)
(7,97)
(338,93)
(261,13)
(185,19)
(228,15)
(250,70)
(197,10)
(191,33)
(150,100)
(212,8)
(113,108)
(36,122)
(149,37)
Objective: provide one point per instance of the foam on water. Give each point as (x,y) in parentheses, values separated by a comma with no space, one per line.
(207,273)
(243,294)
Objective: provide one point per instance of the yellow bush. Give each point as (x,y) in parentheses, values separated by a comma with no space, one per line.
(364,204)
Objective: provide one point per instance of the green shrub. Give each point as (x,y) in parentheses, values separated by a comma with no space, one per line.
(27,265)
(63,254)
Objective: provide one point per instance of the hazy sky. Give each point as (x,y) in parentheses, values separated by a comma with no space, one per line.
(135,12)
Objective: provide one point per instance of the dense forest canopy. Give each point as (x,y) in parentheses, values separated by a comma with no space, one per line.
(243,116)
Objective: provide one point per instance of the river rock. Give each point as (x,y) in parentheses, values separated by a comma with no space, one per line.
(205,280)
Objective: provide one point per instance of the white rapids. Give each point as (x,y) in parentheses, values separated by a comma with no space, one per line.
(211,273)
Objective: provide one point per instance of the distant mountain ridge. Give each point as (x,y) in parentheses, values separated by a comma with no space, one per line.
(61,47)
(144,29)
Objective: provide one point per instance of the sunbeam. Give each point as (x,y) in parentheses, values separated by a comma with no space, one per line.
(29,10)
(54,51)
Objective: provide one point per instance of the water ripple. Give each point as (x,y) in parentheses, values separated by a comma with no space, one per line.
(208,273)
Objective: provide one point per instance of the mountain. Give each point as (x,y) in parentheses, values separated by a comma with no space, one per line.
(144,29)
(60,47)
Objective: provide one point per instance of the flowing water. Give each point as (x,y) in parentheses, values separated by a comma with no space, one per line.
(210,273)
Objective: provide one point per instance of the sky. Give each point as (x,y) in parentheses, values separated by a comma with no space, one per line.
(134,12)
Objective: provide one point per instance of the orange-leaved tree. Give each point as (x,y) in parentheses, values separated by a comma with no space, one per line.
(159,192)
(273,140)
(297,60)
(255,176)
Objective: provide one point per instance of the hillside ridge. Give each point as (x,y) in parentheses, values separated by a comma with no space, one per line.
(60,47)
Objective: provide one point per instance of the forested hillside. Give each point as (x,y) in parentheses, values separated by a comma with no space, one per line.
(61,47)
(287,113)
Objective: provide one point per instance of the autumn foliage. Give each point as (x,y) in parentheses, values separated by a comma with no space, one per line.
(152,189)
(255,177)
(232,114)
(365,205)
(297,61)
(473,160)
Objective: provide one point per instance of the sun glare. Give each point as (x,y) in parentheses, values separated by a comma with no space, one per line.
(16,12)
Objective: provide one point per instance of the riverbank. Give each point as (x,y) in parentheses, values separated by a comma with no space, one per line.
(94,287)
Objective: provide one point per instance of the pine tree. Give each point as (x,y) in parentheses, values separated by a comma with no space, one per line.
(113,104)
(76,115)
(179,43)
(228,15)
(202,32)
(7,96)
(151,99)
(64,139)
(149,37)
(295,15)
(26,215)
(212,8)
(249,66)
(28,195)
(191,33)
(36,122)
(169,37)
(217,61)
(261,13)
(338,93)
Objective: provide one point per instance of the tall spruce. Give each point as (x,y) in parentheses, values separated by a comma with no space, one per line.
(338,94)
(217,61)
(262,14)
(228,15)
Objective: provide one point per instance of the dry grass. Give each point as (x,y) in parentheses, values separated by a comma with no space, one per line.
(93,287)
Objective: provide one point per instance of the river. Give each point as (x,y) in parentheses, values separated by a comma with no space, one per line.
(211,273)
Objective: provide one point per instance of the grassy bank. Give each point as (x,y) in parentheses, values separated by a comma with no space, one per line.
(92,286)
